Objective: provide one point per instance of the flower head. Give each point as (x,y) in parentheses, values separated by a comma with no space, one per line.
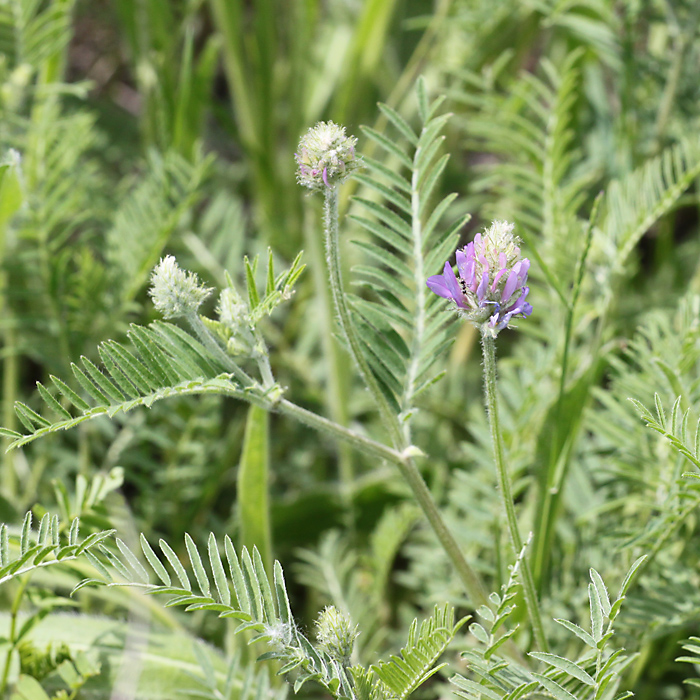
(174,291)
(326,156)
(336,634)
(490,289)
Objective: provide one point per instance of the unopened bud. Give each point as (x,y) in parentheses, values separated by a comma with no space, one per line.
(336,634)
(326,156)
(176,292)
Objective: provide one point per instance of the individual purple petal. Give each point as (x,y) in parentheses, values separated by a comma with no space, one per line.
(497,278)
(524,267)
(436,284)
(502,260)
(482,287)
(466,266)
(325,177)
(511,283)
(453,285)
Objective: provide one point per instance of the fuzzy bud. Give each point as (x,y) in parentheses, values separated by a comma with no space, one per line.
(176,292)
(336,634)
(233,311)
(326,156)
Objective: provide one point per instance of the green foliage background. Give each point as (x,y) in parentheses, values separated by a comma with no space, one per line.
(130,129)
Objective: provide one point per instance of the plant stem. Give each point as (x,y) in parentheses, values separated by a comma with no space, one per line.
(406,464)
(212,344)
(13,631)
(489,349)
(343,313)
(336,383)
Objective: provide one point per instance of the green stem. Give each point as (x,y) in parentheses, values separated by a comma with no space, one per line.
(343,313)
(10,380)
(406,465)
(211,343)
(13,631)
(489,348)
(336,387)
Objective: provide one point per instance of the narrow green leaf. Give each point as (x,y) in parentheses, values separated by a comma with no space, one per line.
(178,568)
(252,585)
(31,417)
(283,606)
(25,533)
(422,99)
(602,591)
(253,297)
(564,665)
(218,572)
(390,218)
(397,199)
(74,532)
(399,122)
(160,571)
(101,381)
(388,145)
(270,285)
(239,586)
(578,631)
(139,374)
(89,387)
(554,688)
(393,177)
(253,485)
(427,185)
(261,574)
(118,374)
(630,576)
(132,561)
(197,566)
(596,613)
(44,525)
(51,401)
(4,546)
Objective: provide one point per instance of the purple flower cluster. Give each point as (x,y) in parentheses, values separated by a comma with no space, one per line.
(490,289)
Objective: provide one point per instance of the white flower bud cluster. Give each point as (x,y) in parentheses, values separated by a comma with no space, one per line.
(336,634)
(175,292)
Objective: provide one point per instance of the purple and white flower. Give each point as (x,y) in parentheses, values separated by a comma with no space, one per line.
(490,289)
(326,156)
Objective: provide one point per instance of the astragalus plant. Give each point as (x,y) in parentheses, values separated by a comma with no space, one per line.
(509,536)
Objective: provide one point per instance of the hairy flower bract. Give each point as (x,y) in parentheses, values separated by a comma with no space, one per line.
(490,289)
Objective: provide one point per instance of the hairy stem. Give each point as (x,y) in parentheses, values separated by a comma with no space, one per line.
(343,314)
(212,344)
(336,384)
(406,464)
(489,348)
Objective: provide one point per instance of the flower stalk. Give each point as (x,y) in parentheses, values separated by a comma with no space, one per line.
(488,345)
(471,580)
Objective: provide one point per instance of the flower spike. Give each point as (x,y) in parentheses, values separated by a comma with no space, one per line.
(490,289)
